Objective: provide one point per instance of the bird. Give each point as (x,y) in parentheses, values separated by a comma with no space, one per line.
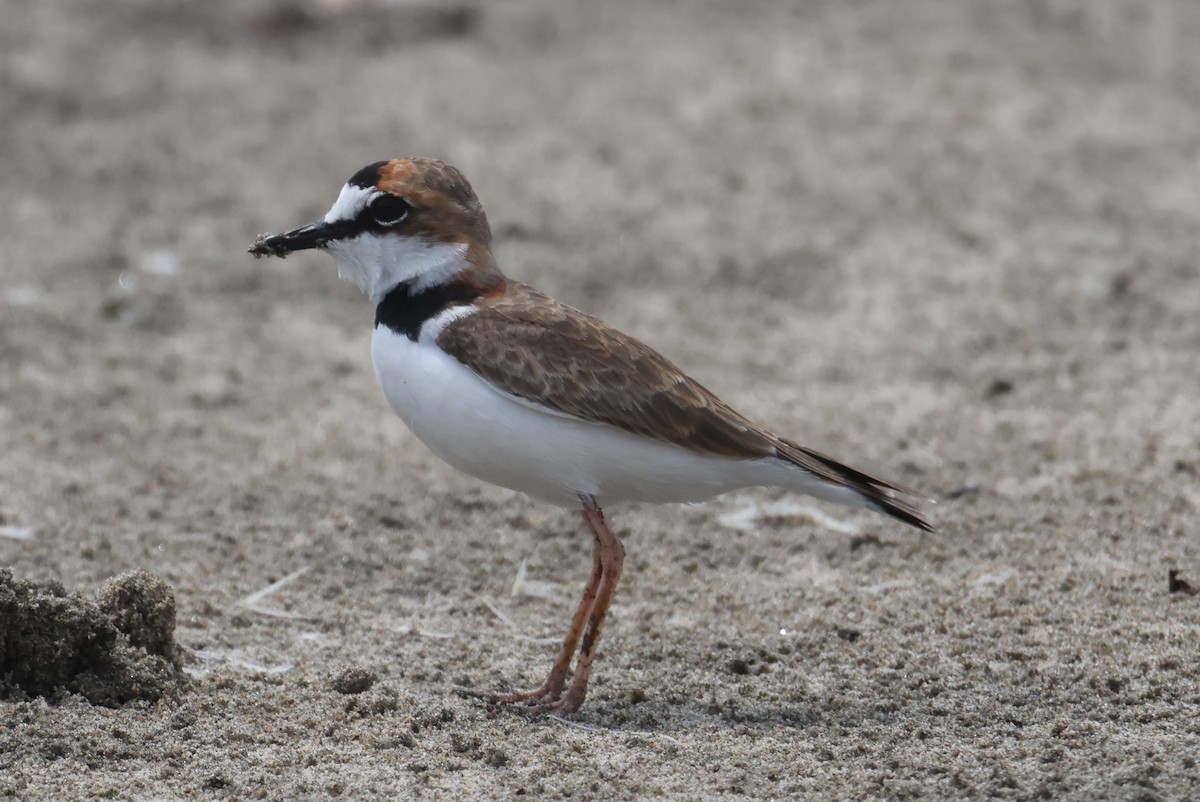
(517,389)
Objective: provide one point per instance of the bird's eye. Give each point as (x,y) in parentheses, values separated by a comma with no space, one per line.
(388,210)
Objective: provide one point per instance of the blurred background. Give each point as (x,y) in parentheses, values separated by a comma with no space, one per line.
(951,242)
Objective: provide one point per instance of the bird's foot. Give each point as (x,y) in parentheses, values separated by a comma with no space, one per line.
(565,705)
(543,700)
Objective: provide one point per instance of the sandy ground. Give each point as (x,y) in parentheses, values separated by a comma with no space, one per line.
(953,242)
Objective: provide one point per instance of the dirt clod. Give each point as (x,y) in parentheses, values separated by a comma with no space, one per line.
(353,680)
(115,650)
(1177,585)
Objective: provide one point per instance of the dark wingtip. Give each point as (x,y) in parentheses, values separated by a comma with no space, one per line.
(901,511)
(890,499)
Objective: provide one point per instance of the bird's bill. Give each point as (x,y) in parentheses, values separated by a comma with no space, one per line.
(313,235)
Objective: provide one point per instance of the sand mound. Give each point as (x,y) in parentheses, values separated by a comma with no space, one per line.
(116,649)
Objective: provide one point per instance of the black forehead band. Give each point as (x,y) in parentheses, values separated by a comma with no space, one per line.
(367,177)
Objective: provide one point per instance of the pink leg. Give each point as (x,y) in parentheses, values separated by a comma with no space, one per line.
(611,556)
(551,689)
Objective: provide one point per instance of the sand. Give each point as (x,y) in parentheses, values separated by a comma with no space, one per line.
(952,243)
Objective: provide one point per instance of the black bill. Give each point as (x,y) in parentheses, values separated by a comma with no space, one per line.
(313,235)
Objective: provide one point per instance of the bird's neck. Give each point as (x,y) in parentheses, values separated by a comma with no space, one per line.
(409,305)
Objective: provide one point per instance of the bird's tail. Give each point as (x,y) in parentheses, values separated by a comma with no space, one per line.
(890,499)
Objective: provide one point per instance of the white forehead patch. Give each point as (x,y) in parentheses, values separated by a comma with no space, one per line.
(350,202)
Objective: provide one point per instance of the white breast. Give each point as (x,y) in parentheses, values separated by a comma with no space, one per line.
(512,443)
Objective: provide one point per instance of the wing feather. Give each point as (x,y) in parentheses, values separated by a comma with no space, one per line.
(529,345)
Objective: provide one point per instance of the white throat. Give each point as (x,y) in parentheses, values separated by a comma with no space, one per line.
(376,263)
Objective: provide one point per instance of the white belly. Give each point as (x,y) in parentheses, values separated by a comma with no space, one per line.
(508,442)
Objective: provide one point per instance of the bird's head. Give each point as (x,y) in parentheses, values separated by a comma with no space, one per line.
(414,221)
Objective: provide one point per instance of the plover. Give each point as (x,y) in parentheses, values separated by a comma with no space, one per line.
(512,387)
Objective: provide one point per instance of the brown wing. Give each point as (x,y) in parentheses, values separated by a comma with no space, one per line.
(531,346)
